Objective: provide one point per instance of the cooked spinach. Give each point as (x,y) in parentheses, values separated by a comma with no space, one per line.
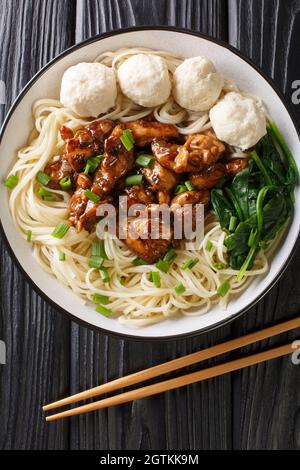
(260,198)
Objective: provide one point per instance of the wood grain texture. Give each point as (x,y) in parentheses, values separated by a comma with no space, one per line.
(48,357)
(266,402)
(37,338)
(180,419)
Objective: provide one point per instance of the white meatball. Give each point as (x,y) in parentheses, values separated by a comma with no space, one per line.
(88,89)
(145,80)
(238,121)
(197,85)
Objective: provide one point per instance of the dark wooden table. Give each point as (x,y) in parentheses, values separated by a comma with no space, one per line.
(49,356)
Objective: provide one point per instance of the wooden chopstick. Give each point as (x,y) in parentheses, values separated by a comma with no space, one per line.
(175,364)
(171,384)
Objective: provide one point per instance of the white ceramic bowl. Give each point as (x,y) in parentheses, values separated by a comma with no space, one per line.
(46,83)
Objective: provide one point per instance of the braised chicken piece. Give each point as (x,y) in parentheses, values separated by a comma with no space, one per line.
(209,177)
(212,175)
(116,163)
(138,194)
(198,151)
(82,211)
(86,142)
(236,166)
(141,241)
(57,171)
(145,131)
(185,208)
(161,180)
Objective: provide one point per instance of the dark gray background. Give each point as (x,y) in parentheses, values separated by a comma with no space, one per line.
(49,356)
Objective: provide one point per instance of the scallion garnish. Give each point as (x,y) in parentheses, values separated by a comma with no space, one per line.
(181,188)
(190,263)
(139,262)
(91,196)
(156,278)
(232,223)
(208,245)
(98,249)
(11,182)
(162,266)
(170,256)
(179,289)
(45,195)
(127,139)
(218,266)
(134,179)
(104,274)
(60,230)
(223,289)
(62,256)
(43,178)
(66,183)
(29,235)
(189,185)
(96,262)
(92,164)
(103,310)
(120,279)
(144,160)
(100,299)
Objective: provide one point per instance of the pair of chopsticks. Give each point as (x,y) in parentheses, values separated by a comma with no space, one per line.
(176,364)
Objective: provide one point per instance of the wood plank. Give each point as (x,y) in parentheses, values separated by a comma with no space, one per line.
(37,337)
(266,402)
(198,417)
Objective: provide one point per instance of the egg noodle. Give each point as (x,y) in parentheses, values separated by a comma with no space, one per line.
(133,298)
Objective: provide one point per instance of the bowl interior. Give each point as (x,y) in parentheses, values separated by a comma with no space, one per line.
(47,84)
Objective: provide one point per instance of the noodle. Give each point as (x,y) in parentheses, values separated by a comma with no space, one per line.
(136,302)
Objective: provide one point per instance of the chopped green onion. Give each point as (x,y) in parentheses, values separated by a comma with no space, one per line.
(103,310)
(223,289)
(144,160)
(139,262)
(170,256)
(62,256)
(92,164)
(127,139)
(232,223)
(100,299)
(11,182)
(98,249)
(120,279)
(45,195)
(156,279)
(181,188)
(190,263)
(60,230)
(91,196)
(134,179)
(29,235)
(96,262)
(162,266)
(104,274)
(65,183)
(179,289)
(218,266)
(189,185)
(43,178)
(209,245)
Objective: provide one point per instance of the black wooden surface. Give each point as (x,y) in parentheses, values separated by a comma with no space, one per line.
(49,356)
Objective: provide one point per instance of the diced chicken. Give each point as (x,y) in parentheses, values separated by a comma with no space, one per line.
(161,180)
(145,131)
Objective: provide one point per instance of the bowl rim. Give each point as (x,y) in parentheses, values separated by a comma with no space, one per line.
(41,293)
